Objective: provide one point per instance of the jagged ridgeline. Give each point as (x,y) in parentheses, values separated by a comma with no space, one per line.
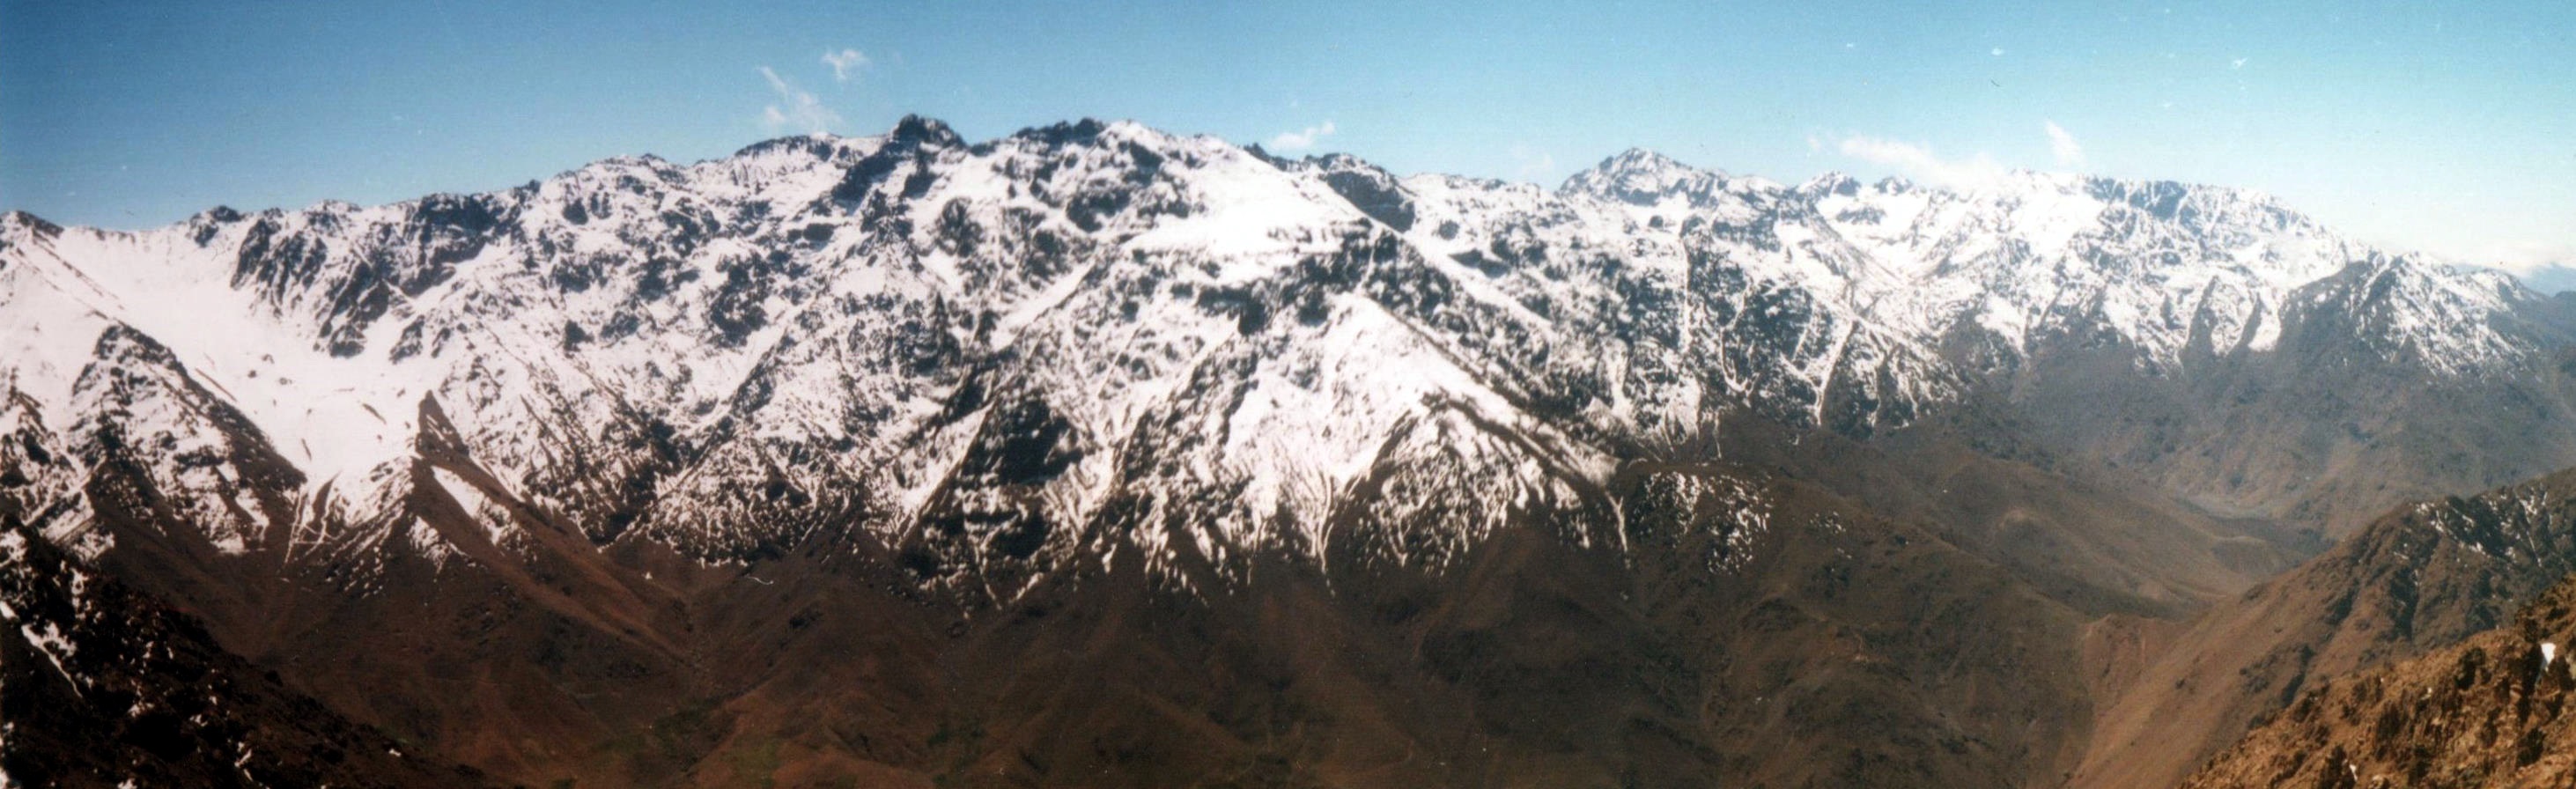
(646,443)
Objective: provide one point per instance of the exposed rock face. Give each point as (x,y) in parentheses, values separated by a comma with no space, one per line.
(101,686)
(2422,578)
(2491,711)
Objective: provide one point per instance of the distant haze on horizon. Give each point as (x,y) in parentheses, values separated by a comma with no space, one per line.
(2434,129)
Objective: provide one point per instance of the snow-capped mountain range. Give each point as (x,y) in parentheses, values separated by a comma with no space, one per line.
(1006,355)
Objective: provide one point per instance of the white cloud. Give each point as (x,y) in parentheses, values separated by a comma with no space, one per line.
(2525,257)
(1532,164)
(845,63)
(795,109)
(1302,139)
(2238,63)
(1921,164)
(2061,144)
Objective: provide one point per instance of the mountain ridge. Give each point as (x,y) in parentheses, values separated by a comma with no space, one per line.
(1834,324)
(978,388)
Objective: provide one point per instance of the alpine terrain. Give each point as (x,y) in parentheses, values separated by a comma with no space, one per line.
(1100,456)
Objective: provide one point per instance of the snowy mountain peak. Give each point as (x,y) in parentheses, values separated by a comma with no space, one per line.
(2198,203)
(1643,177)
(20,227)
(918,130)
(1830,183)
(1644,163)
(1370,188)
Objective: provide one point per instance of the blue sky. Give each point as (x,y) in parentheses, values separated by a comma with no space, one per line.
(2446,129)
